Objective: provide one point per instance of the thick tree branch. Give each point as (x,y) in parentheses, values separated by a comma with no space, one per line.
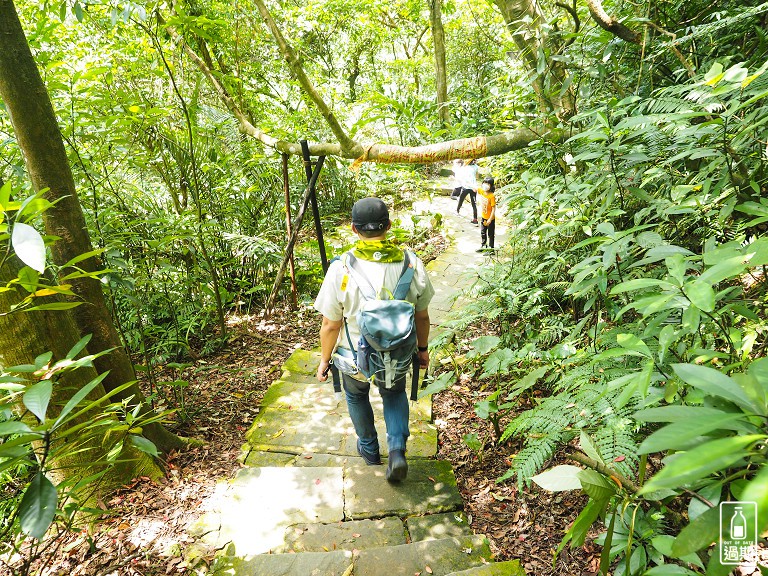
(348,145)
(610,24)
(464,148)
(625,483)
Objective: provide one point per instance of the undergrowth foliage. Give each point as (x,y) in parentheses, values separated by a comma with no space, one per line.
(632,303)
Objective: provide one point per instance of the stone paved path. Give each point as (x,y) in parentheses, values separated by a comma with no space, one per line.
(307,505)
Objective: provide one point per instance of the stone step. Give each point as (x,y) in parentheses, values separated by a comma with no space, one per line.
(363,534)
(253,511)
(441,557)
(438,557)
(510,568)
(352,535)
(437,526)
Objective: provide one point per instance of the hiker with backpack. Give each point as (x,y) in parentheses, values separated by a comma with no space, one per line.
(374,301)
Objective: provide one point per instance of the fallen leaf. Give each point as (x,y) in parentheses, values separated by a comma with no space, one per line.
(619,459)
(428,570)
(355,535)
(430,477)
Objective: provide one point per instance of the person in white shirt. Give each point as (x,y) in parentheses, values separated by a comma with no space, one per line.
(339,301)
(469,188)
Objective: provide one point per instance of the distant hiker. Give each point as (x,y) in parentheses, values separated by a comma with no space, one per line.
(468,186)
(458,166)
(487,202)
(374,266)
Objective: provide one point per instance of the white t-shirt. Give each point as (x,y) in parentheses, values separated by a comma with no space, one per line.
(340,298)
(469,176)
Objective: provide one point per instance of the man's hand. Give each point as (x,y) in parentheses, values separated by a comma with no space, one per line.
(322,370)
(424,359)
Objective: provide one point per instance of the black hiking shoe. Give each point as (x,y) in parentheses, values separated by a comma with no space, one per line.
(397,469)
(369,460)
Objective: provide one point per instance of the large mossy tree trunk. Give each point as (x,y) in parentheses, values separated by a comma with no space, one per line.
(26,335)
(38,135)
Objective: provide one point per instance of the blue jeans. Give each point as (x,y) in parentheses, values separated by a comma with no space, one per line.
(395,402)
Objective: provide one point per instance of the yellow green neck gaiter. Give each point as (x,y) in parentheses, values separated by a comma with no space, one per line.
(378,251)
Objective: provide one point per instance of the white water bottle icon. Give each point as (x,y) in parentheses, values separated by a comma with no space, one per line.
(738,525)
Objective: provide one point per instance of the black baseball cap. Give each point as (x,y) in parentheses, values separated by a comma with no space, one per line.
(370,214)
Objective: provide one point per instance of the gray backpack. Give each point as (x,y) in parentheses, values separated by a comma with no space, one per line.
(386,350)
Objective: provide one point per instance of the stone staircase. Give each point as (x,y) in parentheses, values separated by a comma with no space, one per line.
(305,503)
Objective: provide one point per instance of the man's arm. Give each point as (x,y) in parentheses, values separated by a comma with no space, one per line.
(329,334)
(422,336)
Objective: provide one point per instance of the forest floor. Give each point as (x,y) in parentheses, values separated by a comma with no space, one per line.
(145,525)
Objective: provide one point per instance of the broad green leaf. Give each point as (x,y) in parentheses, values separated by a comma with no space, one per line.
(146,446)
(677,413)
(498,362)
(677,267)
(443,381)
(37,397)
(597,486)
(38,506)
(714,456)
(14,427)
(559,478)
(639,284)
(678,434)
(485,344)
(716,383)
(577,533)
(730,268)
(29,246)
(638,384)
(700,294)
(632,342)
(526,382)
(663,543)
(589,448)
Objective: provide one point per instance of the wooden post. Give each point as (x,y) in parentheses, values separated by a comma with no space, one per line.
(294,235)
(313,200)
(287,191)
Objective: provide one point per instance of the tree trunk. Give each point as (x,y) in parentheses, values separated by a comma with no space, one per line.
(524,19)
(38,135)
(441,75)
(26,335)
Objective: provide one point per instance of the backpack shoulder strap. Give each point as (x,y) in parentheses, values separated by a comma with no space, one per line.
(406,276)
(362,282)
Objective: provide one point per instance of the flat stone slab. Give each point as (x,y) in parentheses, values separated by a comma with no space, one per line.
(353,535)
(317,431)
(254,509)
(440,556)
(307,564)
(510,568)
(438,526)
(429,488)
